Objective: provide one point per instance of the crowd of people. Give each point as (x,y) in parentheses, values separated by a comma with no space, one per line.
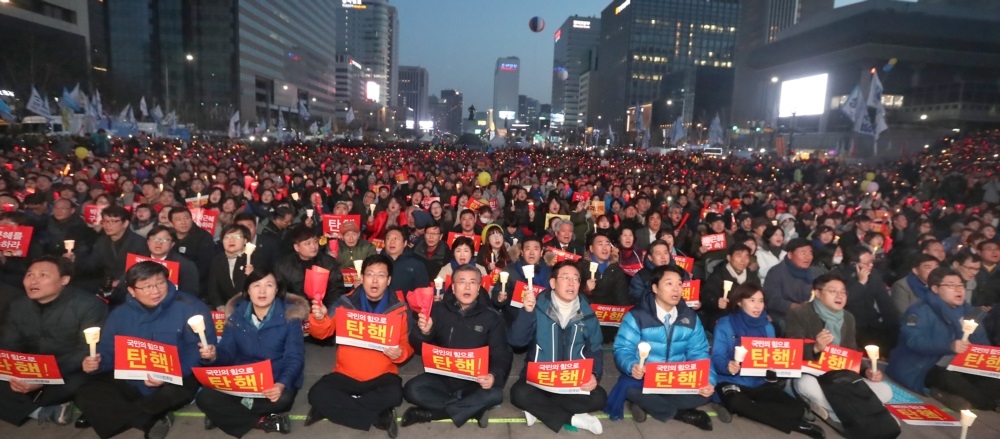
(896,256)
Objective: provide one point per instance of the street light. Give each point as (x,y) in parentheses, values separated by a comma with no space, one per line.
(166,80)
(189,57)
(774,79)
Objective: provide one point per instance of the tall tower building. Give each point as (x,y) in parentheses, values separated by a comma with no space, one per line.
(506,86)
(574,44)
(646,44)
(413,82)
(452,108)
(367,31)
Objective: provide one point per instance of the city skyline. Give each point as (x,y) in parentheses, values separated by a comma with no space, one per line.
(464,57)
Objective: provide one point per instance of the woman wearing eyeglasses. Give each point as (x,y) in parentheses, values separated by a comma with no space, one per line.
(931,335)
(559,325)
(364,388)
(229,270)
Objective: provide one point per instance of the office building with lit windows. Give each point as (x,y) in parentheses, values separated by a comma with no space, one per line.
(506,86)
(574,46)
(644,41)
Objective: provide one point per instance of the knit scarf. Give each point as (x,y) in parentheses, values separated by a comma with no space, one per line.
(798,273)
(740,277)
(952,316)
(746,326)
(774,250)
(832,321)
(379,307)
(920,289)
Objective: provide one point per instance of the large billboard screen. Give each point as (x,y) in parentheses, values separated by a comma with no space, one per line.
(803,96)
(372,91)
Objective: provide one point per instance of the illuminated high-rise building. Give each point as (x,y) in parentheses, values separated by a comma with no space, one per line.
(574,46)
(506,87)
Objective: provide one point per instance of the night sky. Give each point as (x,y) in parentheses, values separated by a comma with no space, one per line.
(459,41)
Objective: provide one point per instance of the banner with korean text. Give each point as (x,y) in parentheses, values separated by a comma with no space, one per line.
(29,368)
(782,355)
(564,377)
(135,358)
(247,380)
(464,364)
(367,330)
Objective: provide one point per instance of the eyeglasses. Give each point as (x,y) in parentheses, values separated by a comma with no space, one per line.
(466,282)
(233,236)
(841,293)
(573,279)
(151,288)
(953,286)
(160,239)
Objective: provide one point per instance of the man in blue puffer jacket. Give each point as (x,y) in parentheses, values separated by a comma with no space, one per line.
(931,335)
(154,310)
(675,334)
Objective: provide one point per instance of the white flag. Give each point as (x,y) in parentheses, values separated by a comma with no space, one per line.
(678,134)
(142,107)
(246,128)
(131,115)
(350,115)
(96,102)
(875,92)
(852,106)
(123,116)
(234,125)
(157,113)
(865,127)
(313,128)
(303,111)
(38,105)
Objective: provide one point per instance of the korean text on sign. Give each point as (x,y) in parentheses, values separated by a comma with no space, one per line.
(691,292)
(561,376)
(684,262)
(714,242)
(921,414)
(136,358)
(782,355)
(367,330)
(682,378)
(562,255)
(610,315)
(14,240)
(247,380)
(464,364)
(173,267)
(332,224)
(517,299)
(219,321)
(978,360)
(30,368)
(833,358)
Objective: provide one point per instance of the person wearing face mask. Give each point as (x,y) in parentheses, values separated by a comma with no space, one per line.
(463,320)
(263,322)
(828,323)
(755,398)
(530,255)
(675,334)
(736,270)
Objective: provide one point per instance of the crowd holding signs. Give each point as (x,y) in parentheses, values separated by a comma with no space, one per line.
(198,273)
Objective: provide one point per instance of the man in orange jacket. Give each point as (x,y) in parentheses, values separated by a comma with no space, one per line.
(365,386)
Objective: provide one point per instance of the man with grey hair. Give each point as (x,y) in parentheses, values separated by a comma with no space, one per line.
(562,231)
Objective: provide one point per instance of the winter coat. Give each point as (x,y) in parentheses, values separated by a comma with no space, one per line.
(540,332)
(347,255)
(279,338)
(543,273)
(723,342)
(291,273)
(684,340)
(711,291)
(479,325)
(781,289)
(804,322)
(611,287)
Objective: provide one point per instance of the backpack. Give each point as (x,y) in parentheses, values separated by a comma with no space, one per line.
(860,411)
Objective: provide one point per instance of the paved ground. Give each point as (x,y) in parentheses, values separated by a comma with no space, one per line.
(505,422)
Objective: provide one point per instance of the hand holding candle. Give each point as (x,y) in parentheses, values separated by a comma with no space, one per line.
(873,355)
(966,420)
(249,249)
(92,335)
(644,349)
(197,324)
(372,208)
(69,244)
(438,285)
(727,285)
(529,274)
(593,270)
(503,279)
(740,354)
(357,266)
(309,213)
(968,327)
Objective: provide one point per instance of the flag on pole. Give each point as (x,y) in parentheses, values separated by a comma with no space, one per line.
(281,122)
(157,114)
(303,111)
(350,115)
(313,128)
(96,103)
(131,115)
(69,100)
(142,107)
(611,134)
(329,126)
(875,92)
(852,106)
(234,125)
(38,105)
(5,111)
(679,133)
(123,116)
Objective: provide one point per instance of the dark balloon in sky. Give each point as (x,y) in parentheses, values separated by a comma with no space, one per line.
(537,24)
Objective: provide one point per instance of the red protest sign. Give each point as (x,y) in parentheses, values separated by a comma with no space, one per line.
(219,320)
(205,218)
(562,255)
(560,376)
(30,368)
(333,223)
(15,240)
(247,380)
(109,178)
(494,203)
(401,177)
(691,292)
(631,269)
(174,268)
(684,262)
(610,315)
(580,196)
(713,242)
(316,280)
(196,202)
(367,330)
(378,188)
(517,299)
(92,213)
(978,360)
(474,204)
(922,414)
(350,276)
(476,239)
(834,358)
(596,208)
(491,279)
(378,243)
(135,358)
(464,364)
(782,355)
(682,378)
